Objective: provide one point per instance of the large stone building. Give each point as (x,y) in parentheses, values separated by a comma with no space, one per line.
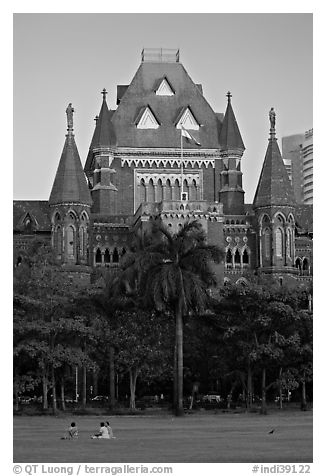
(165,154)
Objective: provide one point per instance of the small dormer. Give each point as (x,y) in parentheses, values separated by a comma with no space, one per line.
(146,119)
(164,88)
(187,119)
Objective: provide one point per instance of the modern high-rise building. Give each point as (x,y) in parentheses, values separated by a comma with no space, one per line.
(297,152)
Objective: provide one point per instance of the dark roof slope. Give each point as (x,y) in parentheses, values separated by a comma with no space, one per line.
(274,186)
(38,210)
(70,183)
(141,92)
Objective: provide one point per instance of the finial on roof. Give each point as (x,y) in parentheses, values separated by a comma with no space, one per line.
(229,96)
(70,120)
(272,118)
(104,92)
(96,119)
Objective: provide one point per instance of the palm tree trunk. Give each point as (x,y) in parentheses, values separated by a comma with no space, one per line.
(179,345)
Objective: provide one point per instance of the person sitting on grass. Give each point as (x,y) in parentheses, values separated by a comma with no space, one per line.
(103,432)
(107,424)
(72,432)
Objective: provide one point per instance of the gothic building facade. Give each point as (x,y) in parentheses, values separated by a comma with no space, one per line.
(164,154)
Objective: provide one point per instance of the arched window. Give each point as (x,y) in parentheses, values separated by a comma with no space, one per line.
(70,233)
(267,242)
(150,192)
(82,241)
(279,242)
(237,259)
(142,191)
(288,243)
(107,256)
(177,190)
(193,190)
(305,266)
(58,240)
(298,264)
(245,258)
(228,258)
(115,256)
(57,217)
(98,256)
(168,190)
(159,191)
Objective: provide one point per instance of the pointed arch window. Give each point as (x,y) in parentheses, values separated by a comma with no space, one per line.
(288,243)
(82,241)
(142,191)
(279,242)
(70,234)
(237,258)
(245,257)
(58,240)
(115,256)
(267,242)
(98,256)
(150,192)
(177,190)
(168,190)
(159,191)
(228,259)
(107,256)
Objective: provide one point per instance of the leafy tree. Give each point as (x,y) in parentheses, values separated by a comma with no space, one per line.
(142,342)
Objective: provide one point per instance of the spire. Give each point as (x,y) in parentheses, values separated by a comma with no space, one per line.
(274,186)
(230,137)
(70,183)
(104,133)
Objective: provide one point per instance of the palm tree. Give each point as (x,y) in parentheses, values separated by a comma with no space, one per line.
(173,272)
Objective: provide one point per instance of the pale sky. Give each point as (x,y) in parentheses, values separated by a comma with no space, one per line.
(264,59)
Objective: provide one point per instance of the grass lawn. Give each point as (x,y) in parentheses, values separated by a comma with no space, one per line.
(203,437)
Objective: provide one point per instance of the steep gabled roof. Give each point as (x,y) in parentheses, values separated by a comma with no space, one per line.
(70,183)
(141,92)
(230,137)
(274,186)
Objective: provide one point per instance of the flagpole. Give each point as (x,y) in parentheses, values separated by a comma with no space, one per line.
(181,164)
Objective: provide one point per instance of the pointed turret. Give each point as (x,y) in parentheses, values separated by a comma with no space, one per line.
(230,137)
(274,186)
(70,185)
(104,134)
(231,193)
(274,207)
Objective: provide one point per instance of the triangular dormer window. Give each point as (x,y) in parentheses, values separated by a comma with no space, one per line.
(164,88)
(187,120)
(146,119)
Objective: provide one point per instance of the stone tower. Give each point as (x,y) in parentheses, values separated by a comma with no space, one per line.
(274,207)
(231,193)
(70,203)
